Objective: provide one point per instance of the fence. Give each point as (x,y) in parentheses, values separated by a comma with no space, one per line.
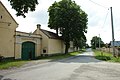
(110,50)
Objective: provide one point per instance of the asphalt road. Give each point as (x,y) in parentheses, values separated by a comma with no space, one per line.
(81,67)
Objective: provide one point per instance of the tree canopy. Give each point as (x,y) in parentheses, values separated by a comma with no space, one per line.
(95,42)
(23,6)
(67,18)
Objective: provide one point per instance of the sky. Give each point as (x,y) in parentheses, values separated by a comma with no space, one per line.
(99,17)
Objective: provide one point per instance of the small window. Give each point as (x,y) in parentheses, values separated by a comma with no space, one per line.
(44,51)
(1,17)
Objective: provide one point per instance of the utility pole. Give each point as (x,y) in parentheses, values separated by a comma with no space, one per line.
(113,40)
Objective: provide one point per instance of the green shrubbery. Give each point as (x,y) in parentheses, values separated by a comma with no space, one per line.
(106,56)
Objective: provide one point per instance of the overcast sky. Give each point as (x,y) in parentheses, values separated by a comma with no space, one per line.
(99,21)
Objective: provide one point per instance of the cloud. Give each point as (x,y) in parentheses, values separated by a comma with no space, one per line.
(40,17)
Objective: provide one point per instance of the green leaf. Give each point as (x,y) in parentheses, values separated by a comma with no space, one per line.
(69,20)
(23,6)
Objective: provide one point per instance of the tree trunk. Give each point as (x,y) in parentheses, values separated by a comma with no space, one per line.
(57,31)
(67,45)
(66,49)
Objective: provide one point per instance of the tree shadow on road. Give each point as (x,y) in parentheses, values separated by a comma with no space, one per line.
(1,78)
(79,59)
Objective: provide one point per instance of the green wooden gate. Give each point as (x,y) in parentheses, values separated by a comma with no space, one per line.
(28,50)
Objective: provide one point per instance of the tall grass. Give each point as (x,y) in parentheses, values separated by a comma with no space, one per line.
(105,56)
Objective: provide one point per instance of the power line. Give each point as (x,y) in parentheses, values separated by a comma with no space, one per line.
(103,7)
(98,4)
(103,25)
(105,19)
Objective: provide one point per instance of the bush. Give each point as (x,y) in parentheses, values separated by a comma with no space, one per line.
(1,58)
(116,59)
(105,58)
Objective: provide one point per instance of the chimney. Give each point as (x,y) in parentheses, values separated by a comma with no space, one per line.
(38,26)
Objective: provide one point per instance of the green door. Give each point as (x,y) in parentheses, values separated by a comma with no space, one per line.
(28,50)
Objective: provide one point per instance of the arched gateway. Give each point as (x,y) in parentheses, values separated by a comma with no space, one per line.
(28,50)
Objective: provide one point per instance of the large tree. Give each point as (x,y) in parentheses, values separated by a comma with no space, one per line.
(23,6)
(69,19)
(80,42)
(96,41)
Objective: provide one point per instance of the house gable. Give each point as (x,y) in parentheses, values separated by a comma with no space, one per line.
(47,39)
(7,32)
(48,34)
(6,18)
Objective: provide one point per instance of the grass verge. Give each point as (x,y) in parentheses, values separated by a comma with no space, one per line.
(18,63)
(11,64)
(105,56)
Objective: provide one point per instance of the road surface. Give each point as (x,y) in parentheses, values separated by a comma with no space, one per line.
(81,67)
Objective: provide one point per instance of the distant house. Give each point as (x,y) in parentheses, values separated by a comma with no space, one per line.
(116,43)
(8,27)
(22,45)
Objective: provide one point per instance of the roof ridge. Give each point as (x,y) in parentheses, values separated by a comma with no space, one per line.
(50,34)
(48,31)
